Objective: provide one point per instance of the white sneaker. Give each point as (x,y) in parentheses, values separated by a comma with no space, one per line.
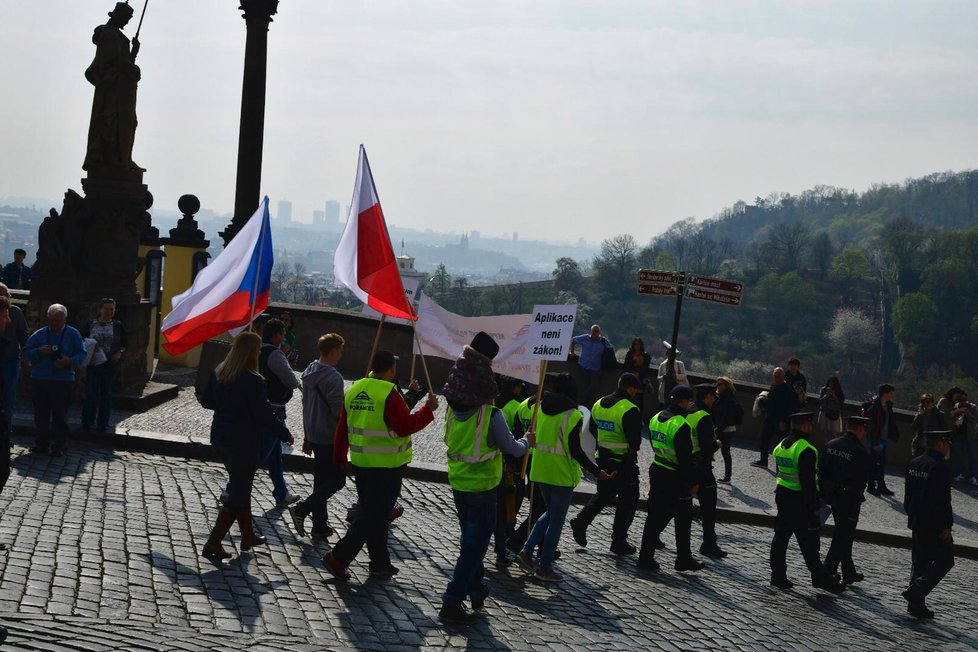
(288,500)
(959,478)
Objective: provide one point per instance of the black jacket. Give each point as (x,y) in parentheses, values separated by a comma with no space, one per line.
(242,413)
(845,468)
(927,500)
(781,401)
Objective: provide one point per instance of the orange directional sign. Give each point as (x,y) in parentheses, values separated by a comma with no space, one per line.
(715,297)
(657,289)
(710,283)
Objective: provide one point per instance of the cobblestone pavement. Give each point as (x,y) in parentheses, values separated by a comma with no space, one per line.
(752,487)
(103,556)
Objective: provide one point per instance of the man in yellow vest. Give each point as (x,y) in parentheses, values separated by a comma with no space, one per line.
(799,506)
(616,422)
(375,426)
(704,432)
(477,437)
(672,480)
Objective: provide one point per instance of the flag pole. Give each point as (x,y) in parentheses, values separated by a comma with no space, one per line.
(373,350)
(533,419)
(424,363)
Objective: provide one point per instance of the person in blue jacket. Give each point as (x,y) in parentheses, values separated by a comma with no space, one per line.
(55,351)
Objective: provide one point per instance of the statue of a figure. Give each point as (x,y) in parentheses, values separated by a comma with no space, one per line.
(114,74)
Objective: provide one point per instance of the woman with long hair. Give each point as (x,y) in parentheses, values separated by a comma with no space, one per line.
(831,400)
(727,415)
(639,363)
(242,416)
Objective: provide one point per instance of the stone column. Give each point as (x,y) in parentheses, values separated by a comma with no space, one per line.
(184,242)
(258,16)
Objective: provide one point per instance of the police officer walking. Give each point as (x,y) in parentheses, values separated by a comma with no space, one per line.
(799,506)
(672,477)
(843,475)
(616,421)
(704,434)
(927,502)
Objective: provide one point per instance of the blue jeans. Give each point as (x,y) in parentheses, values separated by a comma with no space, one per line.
(10,372)
(99,382)
(271,459)
(477,519)
(551,523)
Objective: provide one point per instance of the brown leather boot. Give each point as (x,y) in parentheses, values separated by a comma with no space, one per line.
(249,538)
(213,548)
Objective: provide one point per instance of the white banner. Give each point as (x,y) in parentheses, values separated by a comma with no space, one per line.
(444,334)
(410,291)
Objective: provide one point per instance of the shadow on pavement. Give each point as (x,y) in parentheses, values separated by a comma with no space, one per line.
(228,585)
(44,467)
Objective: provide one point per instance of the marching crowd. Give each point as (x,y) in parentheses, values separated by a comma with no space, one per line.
(503,451)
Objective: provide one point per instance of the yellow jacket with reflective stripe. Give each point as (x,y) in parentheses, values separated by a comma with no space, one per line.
(786,460)
(608,420)
(552,461)
(474,464)
(372,443)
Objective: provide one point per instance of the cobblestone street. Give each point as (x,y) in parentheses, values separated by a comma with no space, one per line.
(103,556)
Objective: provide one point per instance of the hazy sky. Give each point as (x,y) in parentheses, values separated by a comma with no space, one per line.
(553,118)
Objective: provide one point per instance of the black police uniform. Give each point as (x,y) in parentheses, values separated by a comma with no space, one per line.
(798,515)
(670,497)
(844,472)
(707,493)
(927,502)
(624,485)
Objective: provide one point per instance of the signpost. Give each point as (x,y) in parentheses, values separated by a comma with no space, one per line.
(664,283)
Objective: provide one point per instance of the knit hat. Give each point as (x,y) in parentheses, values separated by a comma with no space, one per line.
(471,381)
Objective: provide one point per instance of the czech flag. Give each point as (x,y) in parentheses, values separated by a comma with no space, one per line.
(229,293)
(364,260)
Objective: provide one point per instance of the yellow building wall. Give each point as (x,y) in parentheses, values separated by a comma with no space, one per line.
(178,267)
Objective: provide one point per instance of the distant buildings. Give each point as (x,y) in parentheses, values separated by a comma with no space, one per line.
(284,211)
(332,212)
(318,218)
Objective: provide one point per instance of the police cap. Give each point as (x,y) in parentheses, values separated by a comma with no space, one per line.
(934,436)
(629,380)
(704,389)
(856,421)
(682,392)
(801,417)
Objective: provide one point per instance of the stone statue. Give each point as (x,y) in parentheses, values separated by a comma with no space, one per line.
(114,74)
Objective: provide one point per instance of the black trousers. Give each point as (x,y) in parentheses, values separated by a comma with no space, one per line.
(845,513)
(241,466)
(932,559)
(624,486)
(51,400)
(726,438)
(668,500)
(769,432)
(4,452)
(794,518)
(327,479)
(707,498)
(377,491)
(877,477)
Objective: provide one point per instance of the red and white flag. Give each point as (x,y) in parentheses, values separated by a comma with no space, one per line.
(364,260)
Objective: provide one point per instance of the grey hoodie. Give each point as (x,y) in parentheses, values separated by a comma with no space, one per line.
(322,401)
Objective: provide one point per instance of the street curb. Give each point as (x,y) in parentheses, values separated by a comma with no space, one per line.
(179,446)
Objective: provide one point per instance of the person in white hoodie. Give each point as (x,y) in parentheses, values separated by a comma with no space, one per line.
(322,401)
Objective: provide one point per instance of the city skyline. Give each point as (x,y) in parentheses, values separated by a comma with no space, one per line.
(542,118)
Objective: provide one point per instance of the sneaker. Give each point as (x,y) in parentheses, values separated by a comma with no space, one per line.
(335,568)
(525,561)
(830,583)
(386,571)
(854,578)
(874,491)
(691,564)
(298,520)
(455,614)
(289,499)
(974,481)
(713,551)
(504,559)
(959,477)
(546,576)
(919,610)
(782,582)
(580,532)
(759,464)
(623,548)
